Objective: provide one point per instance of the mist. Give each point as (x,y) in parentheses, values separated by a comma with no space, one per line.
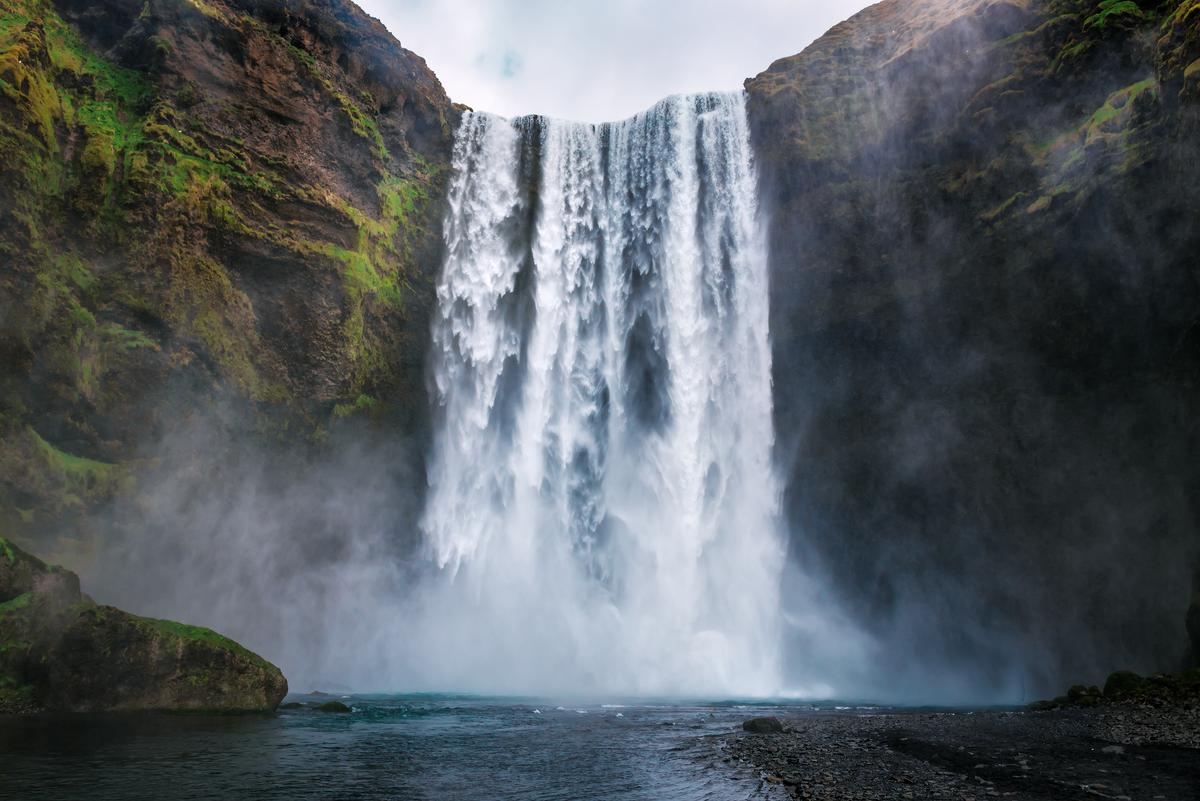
(986,484)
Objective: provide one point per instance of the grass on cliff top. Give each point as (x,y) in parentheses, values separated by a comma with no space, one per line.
(20,602)
(199,634)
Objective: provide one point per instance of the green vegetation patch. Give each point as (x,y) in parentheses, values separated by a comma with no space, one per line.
(126,339)
(15,604)
(198,634)
(78,472)
(363,403)
(6,551)
(1120,10)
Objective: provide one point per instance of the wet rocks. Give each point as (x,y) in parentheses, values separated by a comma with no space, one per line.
(1127,688)
(978,755)
(766,725)
(333,706)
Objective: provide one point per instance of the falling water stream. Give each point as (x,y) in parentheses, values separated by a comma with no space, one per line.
(602,504)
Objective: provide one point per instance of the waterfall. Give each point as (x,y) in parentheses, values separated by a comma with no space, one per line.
(602,506)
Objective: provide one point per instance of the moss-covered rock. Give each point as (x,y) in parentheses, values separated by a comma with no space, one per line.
(59,651)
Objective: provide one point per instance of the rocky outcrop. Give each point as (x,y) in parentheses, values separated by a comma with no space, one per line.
(767,725)
(60,651)
(1127,688)
(223,208)
(987,357)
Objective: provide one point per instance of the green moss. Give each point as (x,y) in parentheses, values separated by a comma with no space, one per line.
(125,339)
(222,340)
(363,277)
(1110,10)
(15,604)
(78,473)
(363,403)
(28,87)
(207,8)
(6,551)
(198,634)
(105,170)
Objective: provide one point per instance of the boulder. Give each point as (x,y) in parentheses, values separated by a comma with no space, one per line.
(765,725)
(60,651)
(1122,684)
(333,706)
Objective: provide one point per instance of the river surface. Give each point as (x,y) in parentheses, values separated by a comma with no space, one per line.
(388,747)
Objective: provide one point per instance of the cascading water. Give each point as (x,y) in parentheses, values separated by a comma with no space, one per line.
(602,502)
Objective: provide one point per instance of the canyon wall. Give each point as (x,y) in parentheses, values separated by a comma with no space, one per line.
(985,288)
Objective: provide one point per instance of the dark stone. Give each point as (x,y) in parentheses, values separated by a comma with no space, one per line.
(769,725)
(1122,684)
(333,706)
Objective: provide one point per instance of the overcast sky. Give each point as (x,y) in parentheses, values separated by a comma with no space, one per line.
(598,60)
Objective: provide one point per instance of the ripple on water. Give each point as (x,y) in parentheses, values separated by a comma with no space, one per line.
(388,747)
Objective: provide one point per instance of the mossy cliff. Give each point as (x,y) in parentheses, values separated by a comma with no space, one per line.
(59,651)
(987,358)
(223,207)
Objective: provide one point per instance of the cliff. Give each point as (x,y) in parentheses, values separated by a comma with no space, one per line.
(984,293)
(226,209)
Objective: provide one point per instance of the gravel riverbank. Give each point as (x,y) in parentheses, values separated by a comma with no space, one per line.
(1114,752)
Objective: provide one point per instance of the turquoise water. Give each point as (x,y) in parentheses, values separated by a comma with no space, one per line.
(388,747)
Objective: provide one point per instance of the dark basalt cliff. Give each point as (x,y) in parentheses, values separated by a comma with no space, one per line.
(985,283)
(227,208)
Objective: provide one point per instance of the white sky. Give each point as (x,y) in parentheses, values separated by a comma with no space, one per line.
(599,60)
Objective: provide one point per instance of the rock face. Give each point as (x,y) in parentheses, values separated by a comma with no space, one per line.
(227,208)
(984,291)
(1174,691)
(59,651)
